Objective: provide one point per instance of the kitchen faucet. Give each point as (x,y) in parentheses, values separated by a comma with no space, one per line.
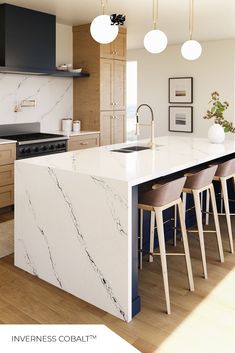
(152,140)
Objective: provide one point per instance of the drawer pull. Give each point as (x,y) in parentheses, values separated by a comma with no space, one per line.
(83,143)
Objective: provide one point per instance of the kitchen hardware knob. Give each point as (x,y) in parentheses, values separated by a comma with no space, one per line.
(115,103)
(83,143)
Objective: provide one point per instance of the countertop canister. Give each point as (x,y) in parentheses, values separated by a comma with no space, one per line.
(76,125)
(67,124)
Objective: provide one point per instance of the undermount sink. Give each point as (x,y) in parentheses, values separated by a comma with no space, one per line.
(131,149)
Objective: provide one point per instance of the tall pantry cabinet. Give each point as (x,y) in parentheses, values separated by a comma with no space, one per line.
(100,100)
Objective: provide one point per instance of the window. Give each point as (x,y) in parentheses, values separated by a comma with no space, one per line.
(131,99)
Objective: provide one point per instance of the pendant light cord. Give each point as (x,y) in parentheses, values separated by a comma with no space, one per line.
(155,13)
(191,18)
(103,5)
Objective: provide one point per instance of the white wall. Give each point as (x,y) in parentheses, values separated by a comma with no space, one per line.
(64,44)
(214,70)
(53,95)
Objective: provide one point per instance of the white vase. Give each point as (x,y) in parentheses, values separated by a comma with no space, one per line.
(216,133)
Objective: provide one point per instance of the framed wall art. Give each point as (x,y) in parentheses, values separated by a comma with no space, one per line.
(180,119)
(181,90)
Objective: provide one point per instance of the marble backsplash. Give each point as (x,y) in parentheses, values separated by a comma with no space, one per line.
(53,96)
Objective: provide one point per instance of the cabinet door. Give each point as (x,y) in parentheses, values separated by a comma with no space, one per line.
(115,49)
(6,195)
(7,153)
(119,88)
(106,84)
(106,128)
(119,46)
(106,50)
(119,127)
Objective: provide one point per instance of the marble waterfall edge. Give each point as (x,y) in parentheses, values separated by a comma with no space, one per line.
(74,234)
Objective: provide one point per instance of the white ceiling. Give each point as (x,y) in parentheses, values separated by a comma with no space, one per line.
(214,19)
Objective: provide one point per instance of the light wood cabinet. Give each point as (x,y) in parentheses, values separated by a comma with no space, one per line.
(116,49)
(112,125)
(112,84)
(105,89)
(7,153)
(7,157)
(6,174)
(6,195)
(83,141)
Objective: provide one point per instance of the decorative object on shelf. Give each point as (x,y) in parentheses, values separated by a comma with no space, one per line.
(191,49)
(216,133)
(102,29)
(117,19)
(180,119)
(64,67)
(155,41)
(180,90)
(75,70)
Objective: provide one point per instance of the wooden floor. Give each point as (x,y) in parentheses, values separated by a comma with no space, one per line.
(202,321)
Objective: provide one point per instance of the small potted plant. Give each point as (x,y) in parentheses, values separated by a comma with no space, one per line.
(216,133)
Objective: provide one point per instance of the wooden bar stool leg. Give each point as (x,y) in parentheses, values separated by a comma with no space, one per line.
(151,240)
(141,237)
(207,206)
(217,227)
(175,225)
(196,197)
(162,249)
(227,212)
(186,247)
(184,200)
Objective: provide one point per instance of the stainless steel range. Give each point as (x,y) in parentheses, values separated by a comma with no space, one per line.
(31,142)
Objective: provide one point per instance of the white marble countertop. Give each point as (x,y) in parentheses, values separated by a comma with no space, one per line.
(73,133)
(172,154)
(4,141)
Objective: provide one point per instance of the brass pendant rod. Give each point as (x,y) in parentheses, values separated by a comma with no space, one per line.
(191,18)
(155,13)
(103,5)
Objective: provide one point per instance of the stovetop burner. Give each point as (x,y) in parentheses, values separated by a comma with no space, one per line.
(32,136)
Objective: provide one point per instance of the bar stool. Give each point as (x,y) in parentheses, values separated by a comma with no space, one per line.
(196,184)
(224,172)
(156,201)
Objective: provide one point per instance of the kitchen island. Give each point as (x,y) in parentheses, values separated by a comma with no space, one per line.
(76,215)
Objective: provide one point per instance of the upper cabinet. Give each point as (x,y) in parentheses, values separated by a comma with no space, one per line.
(99,101)
(117,48)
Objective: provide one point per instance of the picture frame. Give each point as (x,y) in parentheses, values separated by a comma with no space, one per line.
(180,119)
(180,90)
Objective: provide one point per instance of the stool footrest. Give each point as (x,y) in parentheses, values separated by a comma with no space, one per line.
(168,253)
(204,231)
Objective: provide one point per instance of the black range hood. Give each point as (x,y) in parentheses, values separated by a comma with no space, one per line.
(27,40)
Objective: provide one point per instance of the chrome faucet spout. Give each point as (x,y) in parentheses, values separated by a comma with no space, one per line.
(152,139)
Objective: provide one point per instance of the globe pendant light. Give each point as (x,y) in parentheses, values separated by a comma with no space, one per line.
(155,41)
(191,49)
(101,28)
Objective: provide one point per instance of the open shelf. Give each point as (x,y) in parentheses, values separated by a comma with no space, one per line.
(41,72)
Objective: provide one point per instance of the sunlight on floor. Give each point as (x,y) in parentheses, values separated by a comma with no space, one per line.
(211,326)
